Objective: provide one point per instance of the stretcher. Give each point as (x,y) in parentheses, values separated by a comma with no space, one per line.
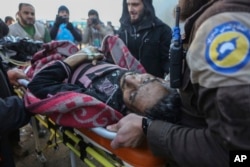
(92,146)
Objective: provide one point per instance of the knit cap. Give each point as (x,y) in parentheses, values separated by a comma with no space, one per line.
(63,8)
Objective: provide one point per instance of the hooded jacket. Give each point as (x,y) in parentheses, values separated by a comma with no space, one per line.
(148,40)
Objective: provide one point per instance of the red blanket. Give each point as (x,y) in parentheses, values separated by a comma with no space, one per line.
(73,109)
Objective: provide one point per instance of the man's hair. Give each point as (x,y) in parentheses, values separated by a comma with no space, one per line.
(23,4)
(7,18)
(93,12)
(63,8)
(167,109)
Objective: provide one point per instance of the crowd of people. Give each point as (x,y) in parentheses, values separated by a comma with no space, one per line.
(198,124)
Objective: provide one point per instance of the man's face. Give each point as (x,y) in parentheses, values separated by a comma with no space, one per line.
(141,91)
(27,15)
(9,22)
(64,14)
(93,19)
(135,9)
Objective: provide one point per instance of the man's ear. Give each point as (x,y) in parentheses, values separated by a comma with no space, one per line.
(18,14)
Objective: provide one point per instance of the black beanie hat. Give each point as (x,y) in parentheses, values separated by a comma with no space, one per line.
(93,12)
(63,8)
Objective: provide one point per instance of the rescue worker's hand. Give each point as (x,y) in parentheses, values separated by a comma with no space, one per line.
(15,74)
(129,132)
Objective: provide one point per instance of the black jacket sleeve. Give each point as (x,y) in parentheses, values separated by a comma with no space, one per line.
(227,117)
(53,32)
(77,35)
(12,110)
(50,80)
(12,114)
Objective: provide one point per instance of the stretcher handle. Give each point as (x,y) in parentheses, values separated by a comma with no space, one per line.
(103,132)
(98,130)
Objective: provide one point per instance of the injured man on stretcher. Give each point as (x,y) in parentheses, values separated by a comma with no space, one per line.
(123,90)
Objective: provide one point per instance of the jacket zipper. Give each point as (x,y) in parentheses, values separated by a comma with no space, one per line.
(144,36)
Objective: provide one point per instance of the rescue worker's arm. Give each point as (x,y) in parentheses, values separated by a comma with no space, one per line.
(223,97)
(223,100)
(12,114)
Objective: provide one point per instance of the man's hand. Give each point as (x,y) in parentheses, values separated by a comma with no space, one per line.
(129,132)
(59,20)
(86,54)
(89,22)
(14,75)
(93,54)
(97,26)
(70,26)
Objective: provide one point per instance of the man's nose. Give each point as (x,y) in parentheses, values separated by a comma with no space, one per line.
(130,8)
(132,81)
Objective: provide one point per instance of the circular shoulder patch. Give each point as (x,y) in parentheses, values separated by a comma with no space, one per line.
(227,47)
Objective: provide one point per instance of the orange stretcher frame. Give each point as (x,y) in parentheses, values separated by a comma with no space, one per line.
(137,157)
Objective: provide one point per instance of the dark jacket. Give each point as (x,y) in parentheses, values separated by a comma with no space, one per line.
(148,40)
(12,116)
(215,118)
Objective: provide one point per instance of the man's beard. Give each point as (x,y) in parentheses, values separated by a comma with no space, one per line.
(26,22)
(189,7)
(141,15)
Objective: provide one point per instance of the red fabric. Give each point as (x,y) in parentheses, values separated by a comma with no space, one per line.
(55,50)
(73,109)
(120,54)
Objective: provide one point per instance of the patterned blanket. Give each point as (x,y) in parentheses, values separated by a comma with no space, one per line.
(73,109)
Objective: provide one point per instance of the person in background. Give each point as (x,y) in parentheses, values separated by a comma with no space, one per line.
(13,114)
(63,29)
(214,93)
(9,20)
(27,26)
(95,30)
(146,36)
(111,28)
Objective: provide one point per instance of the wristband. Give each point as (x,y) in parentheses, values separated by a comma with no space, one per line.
(145,124)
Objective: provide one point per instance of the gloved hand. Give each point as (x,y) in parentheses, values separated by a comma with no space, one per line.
(59,20)
(69,26)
